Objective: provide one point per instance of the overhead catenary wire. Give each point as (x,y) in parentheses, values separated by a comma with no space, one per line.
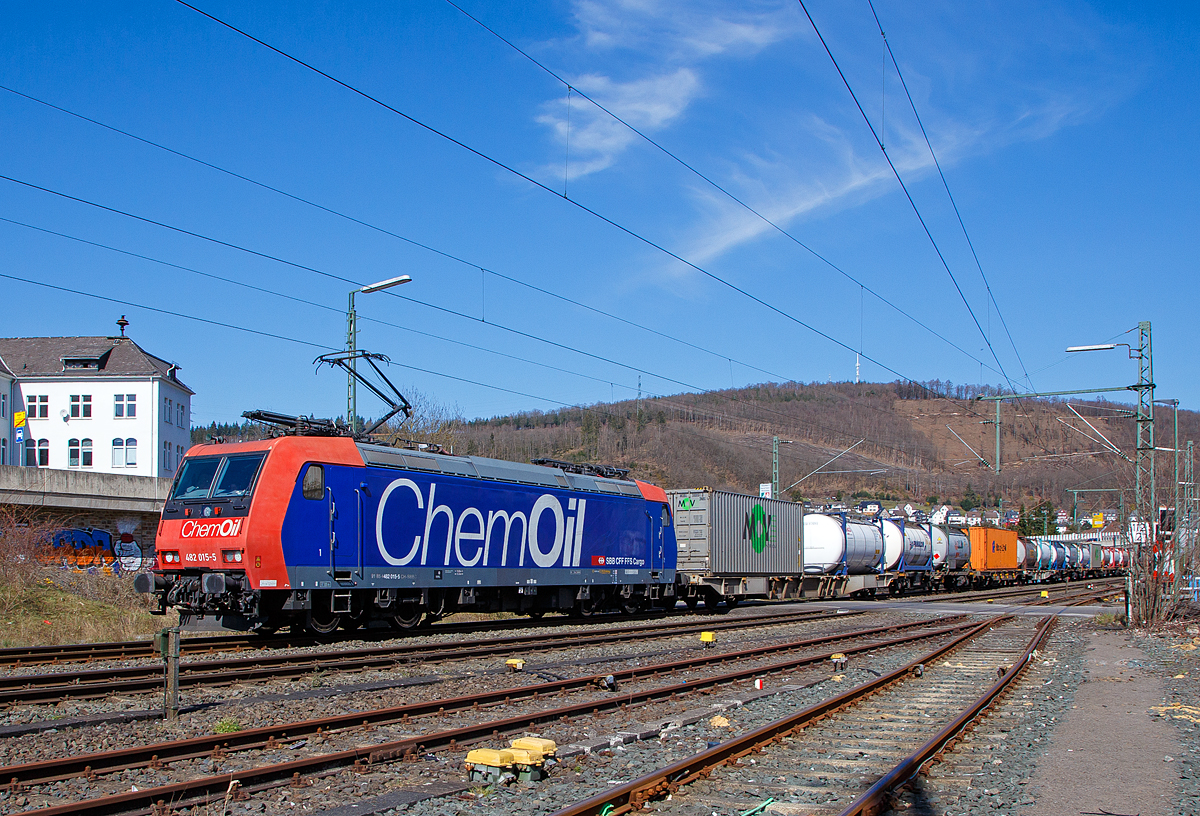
(714,184)
(343,279)
(391,233)
(946,184)
(787,418)
(924,226)
(310,344)
(510,169)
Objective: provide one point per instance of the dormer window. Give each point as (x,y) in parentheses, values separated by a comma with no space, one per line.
(76,363)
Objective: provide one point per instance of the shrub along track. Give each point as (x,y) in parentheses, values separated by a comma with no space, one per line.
(359,725)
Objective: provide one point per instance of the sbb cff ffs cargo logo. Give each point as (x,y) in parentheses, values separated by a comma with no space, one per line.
(757,529)
(597,560)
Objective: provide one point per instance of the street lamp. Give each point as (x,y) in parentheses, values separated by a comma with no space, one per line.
(352,344)
(1148,605)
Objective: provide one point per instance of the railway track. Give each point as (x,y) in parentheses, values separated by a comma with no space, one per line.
(18,657)
(360,725)
(56,687)
(95,683)
(845,754)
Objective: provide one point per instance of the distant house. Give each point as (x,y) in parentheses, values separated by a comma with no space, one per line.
(102,404)
(870,507)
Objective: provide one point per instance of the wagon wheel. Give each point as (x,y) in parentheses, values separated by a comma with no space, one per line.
(691,602)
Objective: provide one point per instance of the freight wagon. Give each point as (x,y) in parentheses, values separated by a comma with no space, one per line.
(732,546)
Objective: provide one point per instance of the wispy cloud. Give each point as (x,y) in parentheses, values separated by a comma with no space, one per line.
(595,139)
(670,43)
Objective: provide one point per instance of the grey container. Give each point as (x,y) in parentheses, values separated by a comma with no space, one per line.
(732,534)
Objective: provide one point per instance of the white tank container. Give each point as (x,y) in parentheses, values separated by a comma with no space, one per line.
(918,549)
(959,556)
(827,546)
(1085,557)
(941,546)
(1022,552)
(1045,555)
(893,544)
(1059,559)
(1074,556)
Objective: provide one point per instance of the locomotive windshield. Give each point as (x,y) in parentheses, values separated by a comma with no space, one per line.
(218,477)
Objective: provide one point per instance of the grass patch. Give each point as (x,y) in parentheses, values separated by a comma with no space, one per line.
(228,725)
(42,603)
(1109,619)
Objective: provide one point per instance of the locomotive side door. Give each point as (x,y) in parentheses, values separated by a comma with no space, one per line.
(345,538)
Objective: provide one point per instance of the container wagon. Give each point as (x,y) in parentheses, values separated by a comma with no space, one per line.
(732,546)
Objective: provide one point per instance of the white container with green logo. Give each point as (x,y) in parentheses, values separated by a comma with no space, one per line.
(732,534)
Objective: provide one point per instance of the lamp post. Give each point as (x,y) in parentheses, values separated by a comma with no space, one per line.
(352,344)
(1148,605)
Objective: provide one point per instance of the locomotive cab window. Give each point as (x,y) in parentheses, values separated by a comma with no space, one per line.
(196,478)
(314,482)
(237,477)
(666,516)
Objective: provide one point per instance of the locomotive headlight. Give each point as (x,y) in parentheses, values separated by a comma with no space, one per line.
(170,557)
(207,512)
(231,556)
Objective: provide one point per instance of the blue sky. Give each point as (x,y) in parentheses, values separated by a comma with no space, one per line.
(1066,131)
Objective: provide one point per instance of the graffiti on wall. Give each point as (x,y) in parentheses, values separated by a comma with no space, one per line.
(95,550)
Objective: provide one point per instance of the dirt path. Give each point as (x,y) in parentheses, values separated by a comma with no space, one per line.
(1109,753)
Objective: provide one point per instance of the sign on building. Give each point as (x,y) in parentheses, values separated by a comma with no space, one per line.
(764,490)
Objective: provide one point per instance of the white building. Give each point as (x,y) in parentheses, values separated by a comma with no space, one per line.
(91,403)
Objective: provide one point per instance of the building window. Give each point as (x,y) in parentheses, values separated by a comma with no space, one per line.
(118,453)
(125,405)
(43,453)
(30,453)
(86,453)
(81,406)
(73,453)
(178,454)
(3,451)
(166,456)
(179,412)
(39,407)
(3,405)
(130,453)
(166,410)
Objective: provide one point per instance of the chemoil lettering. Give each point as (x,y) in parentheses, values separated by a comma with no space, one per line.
(549,534)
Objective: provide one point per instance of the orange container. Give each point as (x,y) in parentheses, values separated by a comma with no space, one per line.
(993,549)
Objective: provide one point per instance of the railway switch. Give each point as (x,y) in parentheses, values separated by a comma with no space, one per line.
(515,664)
(839,661)
(707,639)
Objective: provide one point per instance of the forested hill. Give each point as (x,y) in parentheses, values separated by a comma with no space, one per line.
(903,435)
(908,449)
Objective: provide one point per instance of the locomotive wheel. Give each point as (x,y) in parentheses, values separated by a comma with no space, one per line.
(585,607)
(409,617)
(322,622)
